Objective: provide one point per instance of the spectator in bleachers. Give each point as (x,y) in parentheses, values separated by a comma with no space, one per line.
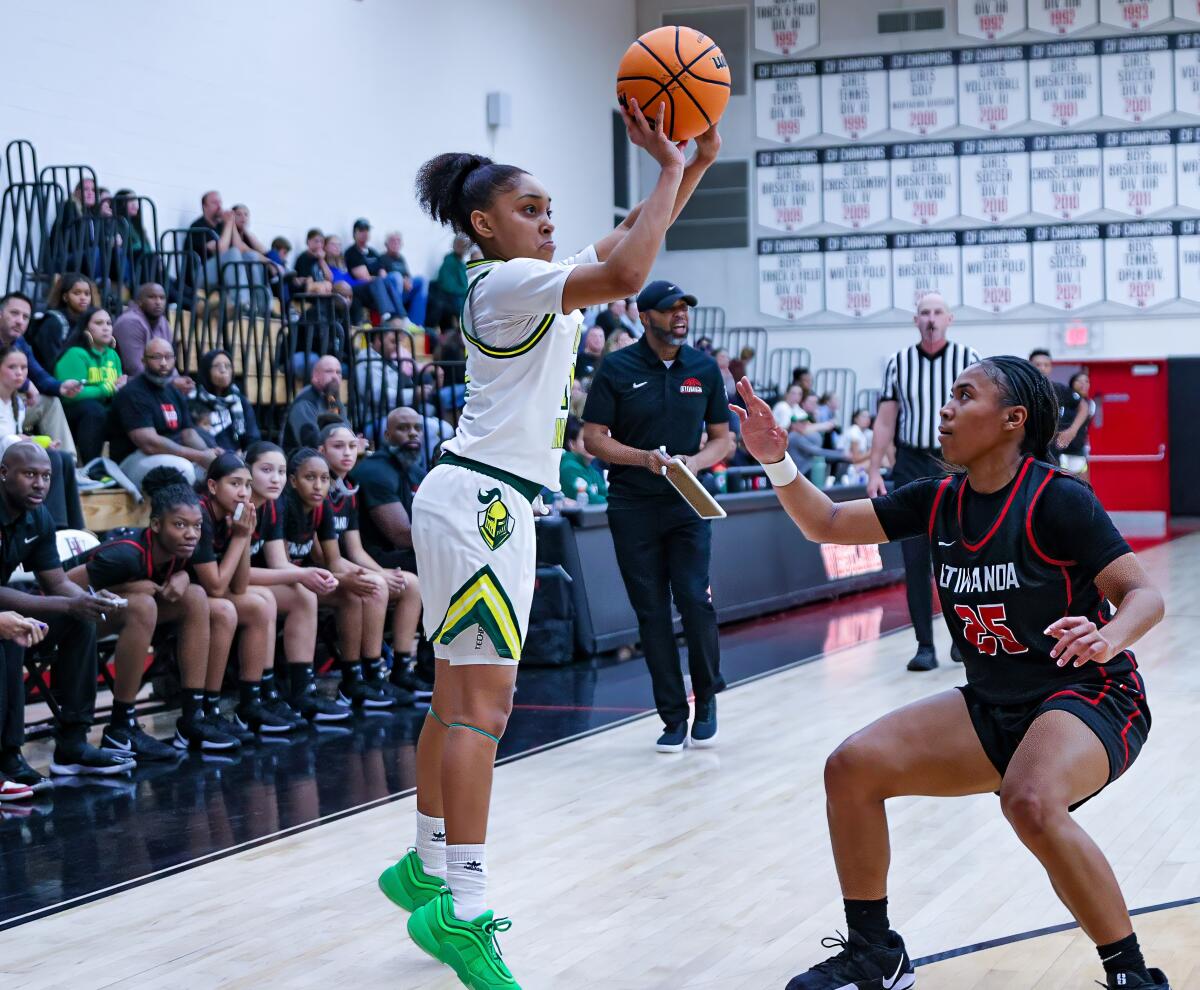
(739,367)
(366,294)
(142,321)
(721,356)
(705,344)
(232,420)
(613,316)
(151,425)
(365,264)
(1077,412)
(449,290)
(321,395)
(228,248)
(138,249)
(295,589)
(804,378)
(313,274)
(152,572)
(91,358)
(387,481)
(618,340)
(857,441)
(577,472)
(590,354)
(826,410)
(71,613)
(44,414)
(414,292)
(70,296)
(281,247)
(344,549)
(788,412)
(378,372)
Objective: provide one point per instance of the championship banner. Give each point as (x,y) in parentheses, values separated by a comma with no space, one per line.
(1141,264)
(1062,16)
(1187,72)
(994,179)
(854,97)
(1187,168)
(787,101)
(1139,172)
(993,87)
(1068,266)
(990,19)
(924,182)
(1137,77)
(786,26)
(855,185)
(1064,83)
(922,92)
(858,275)
(1134,15)
(1188,244)
(1065,175)
(997,269)
(791,277)
(789,189)
(922,262)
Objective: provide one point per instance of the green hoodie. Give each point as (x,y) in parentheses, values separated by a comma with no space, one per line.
(97,370)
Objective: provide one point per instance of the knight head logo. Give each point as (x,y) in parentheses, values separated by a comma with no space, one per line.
(496,523)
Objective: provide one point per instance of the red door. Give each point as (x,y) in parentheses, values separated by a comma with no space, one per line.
(1128,437)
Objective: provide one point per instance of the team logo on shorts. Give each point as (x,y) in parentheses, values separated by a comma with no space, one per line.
(496,523)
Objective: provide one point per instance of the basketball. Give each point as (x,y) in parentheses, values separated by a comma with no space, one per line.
(682,67)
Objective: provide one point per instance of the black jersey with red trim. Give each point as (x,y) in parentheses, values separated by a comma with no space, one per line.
(342,514)
(1003,575)
(268,526)
(214,535)
(122,561)
(302,527)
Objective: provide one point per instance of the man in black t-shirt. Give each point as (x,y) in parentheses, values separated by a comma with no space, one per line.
(150,425)
(27,540)
(364,263)
(215,240)
(657,394)
(387,481)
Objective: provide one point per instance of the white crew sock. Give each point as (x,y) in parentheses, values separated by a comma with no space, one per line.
(466,876)
(431,844)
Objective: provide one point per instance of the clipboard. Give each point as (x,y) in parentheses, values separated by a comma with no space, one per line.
(694,493)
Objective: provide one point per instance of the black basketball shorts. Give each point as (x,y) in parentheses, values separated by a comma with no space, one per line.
(1115,709)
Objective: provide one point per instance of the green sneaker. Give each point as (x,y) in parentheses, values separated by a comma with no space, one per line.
(467,947)
(408,885)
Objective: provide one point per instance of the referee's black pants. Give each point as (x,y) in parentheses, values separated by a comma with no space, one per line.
(663,550)
(912,464)
(73,670)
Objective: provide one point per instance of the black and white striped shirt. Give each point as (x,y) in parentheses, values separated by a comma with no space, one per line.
(921,383)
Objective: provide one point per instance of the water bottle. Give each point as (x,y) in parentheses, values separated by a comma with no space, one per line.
(720,478)
(581,491)
(556,504)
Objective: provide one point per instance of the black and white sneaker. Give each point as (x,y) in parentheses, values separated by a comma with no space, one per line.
(673,738)
(357,693)
(1133,980)
(85,760)
(202,734)
(281,709)
(229,726)
(861,965)
(15,767)
(405,675)
(255,716)
(310,703)
(136,742)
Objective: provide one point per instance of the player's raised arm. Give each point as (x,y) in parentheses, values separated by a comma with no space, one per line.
(626,267)
(820,519)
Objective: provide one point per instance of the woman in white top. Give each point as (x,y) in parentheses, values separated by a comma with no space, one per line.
(472,518)
(788,409)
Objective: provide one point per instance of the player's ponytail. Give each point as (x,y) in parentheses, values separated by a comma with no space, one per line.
(450,187)
(1021,384)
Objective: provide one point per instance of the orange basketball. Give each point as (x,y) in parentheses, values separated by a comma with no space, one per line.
(681,67)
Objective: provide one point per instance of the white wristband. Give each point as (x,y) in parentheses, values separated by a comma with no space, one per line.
(781,473)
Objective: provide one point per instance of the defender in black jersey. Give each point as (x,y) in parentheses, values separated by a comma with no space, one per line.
(295,589)
(1043,598)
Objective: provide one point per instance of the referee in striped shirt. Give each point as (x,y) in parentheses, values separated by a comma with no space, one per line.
(916,384)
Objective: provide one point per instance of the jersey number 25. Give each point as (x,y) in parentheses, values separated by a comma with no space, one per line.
(984,628)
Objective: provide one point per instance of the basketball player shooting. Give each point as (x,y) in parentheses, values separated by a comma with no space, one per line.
(1029,568)
(473,517)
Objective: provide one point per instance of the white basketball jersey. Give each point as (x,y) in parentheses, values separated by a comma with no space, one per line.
(521,352)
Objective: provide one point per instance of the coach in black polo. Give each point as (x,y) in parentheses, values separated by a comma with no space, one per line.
(661,393)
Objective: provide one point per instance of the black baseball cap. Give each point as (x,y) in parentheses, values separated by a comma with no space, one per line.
(662,295)
(362,223)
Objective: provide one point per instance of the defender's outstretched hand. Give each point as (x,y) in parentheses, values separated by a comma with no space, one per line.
(764,439)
